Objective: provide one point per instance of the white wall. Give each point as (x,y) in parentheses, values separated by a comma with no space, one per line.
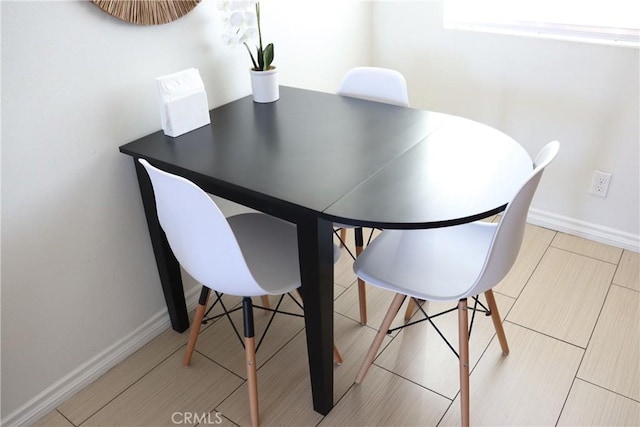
(536,90)
(78,273)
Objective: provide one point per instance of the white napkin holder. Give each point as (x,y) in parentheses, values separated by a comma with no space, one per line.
(183,102)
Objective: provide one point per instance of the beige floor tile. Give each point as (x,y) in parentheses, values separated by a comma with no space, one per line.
(590,405)
(353,341)
(526,388)
(53,419)
(587,247)
(564,296)
(385,399)
(347,303)
(628,273)
(221,344)
(167,390)
(612,359)
(284,387)
(419,354)
(343,271)
(535,243)
(224,423)
(107,387)
(338,290)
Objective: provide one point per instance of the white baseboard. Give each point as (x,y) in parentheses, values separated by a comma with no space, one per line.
(79,378)
(598,233)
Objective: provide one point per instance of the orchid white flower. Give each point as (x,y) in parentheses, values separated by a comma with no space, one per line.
(241,20)
(231,40)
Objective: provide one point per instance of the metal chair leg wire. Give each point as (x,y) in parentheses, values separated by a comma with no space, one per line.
(429,318)
(227,313)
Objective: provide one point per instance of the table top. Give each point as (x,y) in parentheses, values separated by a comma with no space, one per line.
(347,160)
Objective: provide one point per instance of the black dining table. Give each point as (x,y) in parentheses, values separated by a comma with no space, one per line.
(314,159)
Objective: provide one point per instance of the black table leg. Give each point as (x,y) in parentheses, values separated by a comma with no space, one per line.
(168,266)
(315,245)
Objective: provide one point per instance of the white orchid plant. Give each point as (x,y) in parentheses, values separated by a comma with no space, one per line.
(242,26)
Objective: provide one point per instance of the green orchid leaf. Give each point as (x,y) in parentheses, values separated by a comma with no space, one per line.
(260,57)
(267,56)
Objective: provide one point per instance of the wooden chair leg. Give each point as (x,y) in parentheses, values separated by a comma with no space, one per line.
(250,358)
(337,357)
(195,326)
(497,322)
(265,301)
(362,298)
(252,380)
(463,341)
(377,341)
(362,293)
(343,236)
(411,308)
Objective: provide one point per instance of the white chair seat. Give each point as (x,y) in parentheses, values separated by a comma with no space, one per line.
(270,249)
(393,261)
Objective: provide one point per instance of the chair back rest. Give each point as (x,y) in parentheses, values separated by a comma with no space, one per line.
(510,231)
(375,84)
(199,235)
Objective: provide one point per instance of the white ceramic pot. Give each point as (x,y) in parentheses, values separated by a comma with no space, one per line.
(264,85)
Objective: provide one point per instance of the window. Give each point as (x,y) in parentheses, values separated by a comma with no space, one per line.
(601,21)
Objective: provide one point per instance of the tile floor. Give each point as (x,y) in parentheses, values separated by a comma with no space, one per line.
(571,311)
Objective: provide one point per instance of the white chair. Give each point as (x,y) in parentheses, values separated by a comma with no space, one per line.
(379,85)
(247,255)
(449,264)
(375,84)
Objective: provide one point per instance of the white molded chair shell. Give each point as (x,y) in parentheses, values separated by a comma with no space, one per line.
(510,230)
(233,255)
(375,84)
(246,255)
(451,263)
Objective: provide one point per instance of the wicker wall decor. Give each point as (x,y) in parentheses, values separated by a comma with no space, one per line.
(147,12)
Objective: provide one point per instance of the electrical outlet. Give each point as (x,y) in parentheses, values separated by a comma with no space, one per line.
(600,184)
